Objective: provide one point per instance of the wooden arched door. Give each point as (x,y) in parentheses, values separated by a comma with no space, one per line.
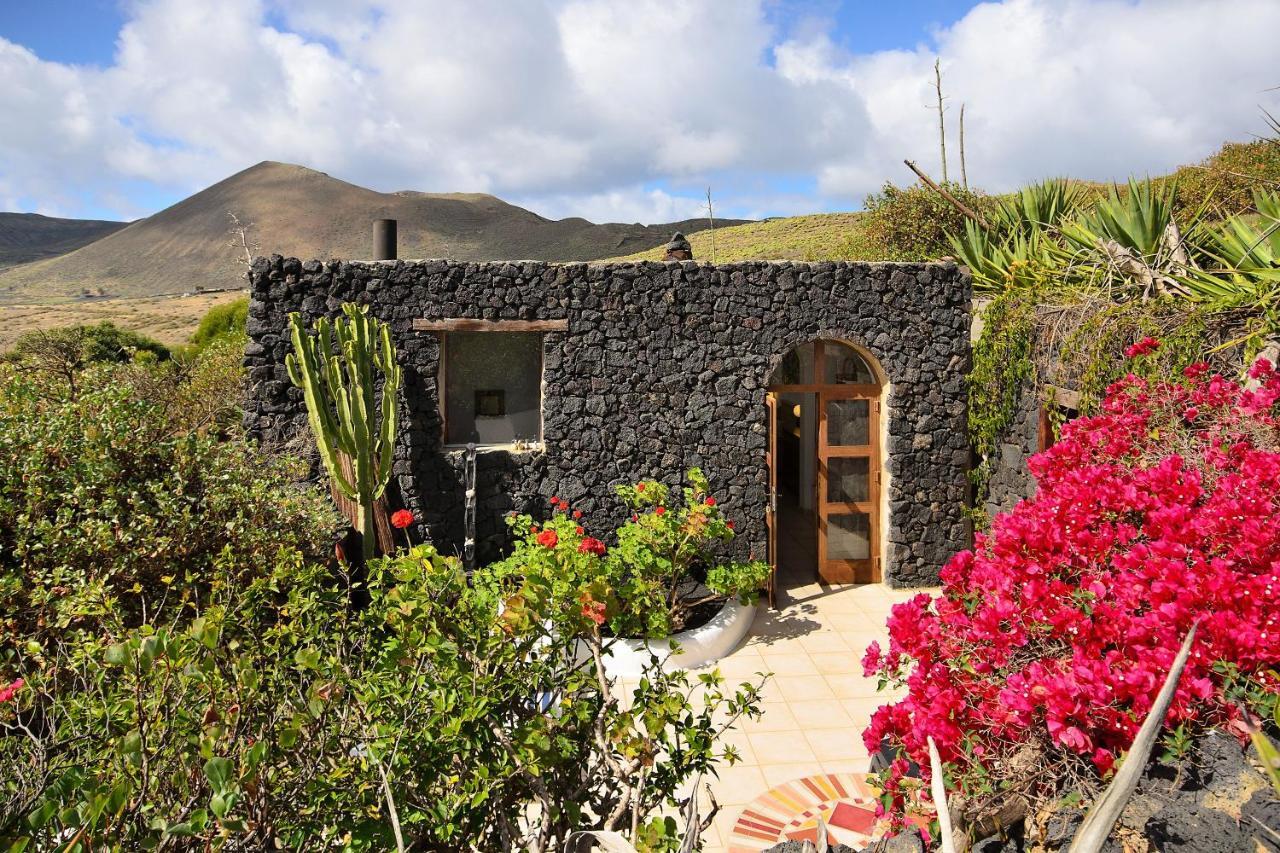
(844,391)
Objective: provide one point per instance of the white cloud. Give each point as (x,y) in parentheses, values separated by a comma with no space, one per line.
(583,106)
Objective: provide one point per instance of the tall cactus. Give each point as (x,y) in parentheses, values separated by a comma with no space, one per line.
(339,389)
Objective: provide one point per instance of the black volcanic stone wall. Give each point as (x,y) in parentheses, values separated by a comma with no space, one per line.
(663,367)
(1010,481)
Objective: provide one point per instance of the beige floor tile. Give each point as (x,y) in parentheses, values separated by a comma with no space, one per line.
(835,744)
(848,765)
(782,747)
(853,686)
(861,709)
(777,716)
(788,664)
(837,663)
(738,739)
(802,688)
(779,774)
(738,785)
(820,714)
(821,642)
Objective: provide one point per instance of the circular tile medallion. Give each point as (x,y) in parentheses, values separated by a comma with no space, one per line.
(845,801)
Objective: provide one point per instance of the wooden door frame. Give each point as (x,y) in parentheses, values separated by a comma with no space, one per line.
(834,571)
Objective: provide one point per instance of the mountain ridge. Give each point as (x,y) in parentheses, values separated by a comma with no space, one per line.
(298,211)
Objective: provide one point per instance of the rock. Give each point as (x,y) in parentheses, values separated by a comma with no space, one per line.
(1206,805)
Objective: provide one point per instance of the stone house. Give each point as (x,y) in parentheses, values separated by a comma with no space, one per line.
(825,401)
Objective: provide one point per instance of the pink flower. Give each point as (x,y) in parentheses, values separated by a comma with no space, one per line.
(548,539)
(8,692)
(1142,347)
(1195,370)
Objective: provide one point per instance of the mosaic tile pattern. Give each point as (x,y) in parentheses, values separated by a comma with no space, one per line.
(790,812)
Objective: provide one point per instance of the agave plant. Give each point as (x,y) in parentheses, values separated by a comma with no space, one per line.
(1131,244)
(997,264)
(1037,207)
(1244,256)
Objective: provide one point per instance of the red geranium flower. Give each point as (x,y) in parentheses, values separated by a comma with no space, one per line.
(555,501)
(660,510)
(577,513)
(639,487)
(401,519)
(579,531)
(593,610)
(548,539)
(729,524)
(711,501)
(591,545)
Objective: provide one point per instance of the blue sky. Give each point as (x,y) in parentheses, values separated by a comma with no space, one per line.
(621,110)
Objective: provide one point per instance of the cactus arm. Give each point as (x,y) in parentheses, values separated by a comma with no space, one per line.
(336,370)
(302,370)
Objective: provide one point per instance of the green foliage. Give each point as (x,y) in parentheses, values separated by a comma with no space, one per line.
(110,505)
(1137,220)
(354,434)
(1003,368)
(60,355)
(1092,356)
(283,717)
(913,224)
(1223,185)
(664,563)
(226,320)
(1016,261)
(1037,207)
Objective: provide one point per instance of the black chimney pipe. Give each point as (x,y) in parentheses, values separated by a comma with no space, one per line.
(384,239)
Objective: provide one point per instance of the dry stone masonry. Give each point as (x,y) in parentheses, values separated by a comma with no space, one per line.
(663,366)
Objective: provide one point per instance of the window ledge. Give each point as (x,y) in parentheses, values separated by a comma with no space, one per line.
(527,449)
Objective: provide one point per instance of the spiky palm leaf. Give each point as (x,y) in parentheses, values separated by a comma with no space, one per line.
(1037,207)
(1018,260)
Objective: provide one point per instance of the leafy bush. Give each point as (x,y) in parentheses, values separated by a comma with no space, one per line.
(64,352)
(222,321)
(1042,655)
(662,566)
(450,715)
(913,224)
(1223,185)
(111,503)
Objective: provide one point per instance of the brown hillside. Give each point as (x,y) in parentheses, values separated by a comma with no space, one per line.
(304,213)
(26,237)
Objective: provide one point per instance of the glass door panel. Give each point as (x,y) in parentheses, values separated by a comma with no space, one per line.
(848,479)
(848,423)
(849,536)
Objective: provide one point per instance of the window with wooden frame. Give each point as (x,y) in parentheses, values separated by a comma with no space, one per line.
(490,380)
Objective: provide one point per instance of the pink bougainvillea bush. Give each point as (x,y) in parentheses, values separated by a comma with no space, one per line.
(1051,638)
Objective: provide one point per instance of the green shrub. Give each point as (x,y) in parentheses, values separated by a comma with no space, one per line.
(912,223)
(111,503)
(663,564)
(222,321)
(62,353)
(1223,184)
(283,717)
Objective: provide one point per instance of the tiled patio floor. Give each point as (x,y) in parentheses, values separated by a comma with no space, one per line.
(816,704)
